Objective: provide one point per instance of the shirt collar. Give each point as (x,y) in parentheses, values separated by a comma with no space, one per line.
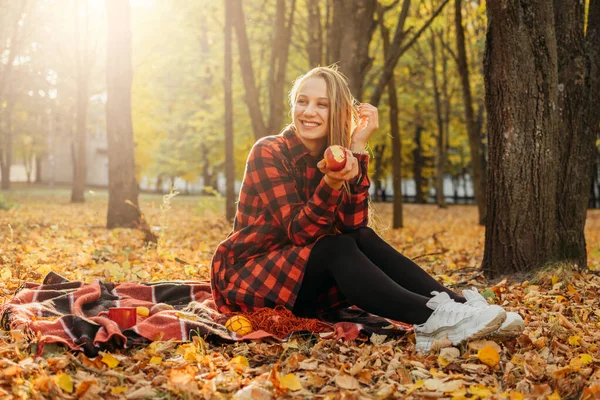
(297,149)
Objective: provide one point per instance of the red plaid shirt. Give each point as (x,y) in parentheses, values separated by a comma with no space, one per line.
(284,208)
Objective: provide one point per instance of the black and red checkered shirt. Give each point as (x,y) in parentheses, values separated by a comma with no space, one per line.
(284,208)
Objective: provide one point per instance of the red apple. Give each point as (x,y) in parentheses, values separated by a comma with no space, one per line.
(335,158)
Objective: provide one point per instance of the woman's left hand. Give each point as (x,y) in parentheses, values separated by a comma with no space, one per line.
(368,123)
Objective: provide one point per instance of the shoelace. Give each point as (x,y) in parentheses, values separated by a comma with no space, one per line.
(450,312)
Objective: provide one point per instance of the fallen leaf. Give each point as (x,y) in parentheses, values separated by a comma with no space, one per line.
(109,360)
(346,382)
(65,382)
(291,382)
(489,356)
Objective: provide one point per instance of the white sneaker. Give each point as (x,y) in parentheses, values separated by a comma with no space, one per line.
(458,322)
(512,326)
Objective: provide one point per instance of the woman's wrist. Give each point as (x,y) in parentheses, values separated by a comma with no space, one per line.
(358,147)
(334,183)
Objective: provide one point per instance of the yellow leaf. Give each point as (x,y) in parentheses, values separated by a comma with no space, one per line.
(555,280)
(554,396)
(576,364)
(586,359)
(5,274)
(155,360)
(480,391)
(516,396)
(489,356)
(65,382)
(571,289)
(291,382)
(143,311)
(118,389)
(241,360)
(560,299)
(443,362)
(574,340)
(109,360)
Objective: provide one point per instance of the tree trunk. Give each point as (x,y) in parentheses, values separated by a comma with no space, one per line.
(352,28)
(521,84)
(418,159)
(6,146)
(314,31)
(477,171)
(228,78)
(398,204)
(122,185)
(279,59)
(440,159)
(38,168)
(378,151)
(577,145)
(80,162)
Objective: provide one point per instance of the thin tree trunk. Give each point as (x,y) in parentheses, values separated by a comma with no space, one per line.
(123,207)
(441,141)
(6,146)
(477,171)
(229,156)
(378,151)
(81,55)
(38,168)
(418,159)
(521,84)
(398,203)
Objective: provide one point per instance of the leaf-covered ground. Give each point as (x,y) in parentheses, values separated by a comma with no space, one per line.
(556,357)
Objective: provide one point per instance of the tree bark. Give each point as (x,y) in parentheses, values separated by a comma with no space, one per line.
(477,171)
(521,84)
(418,159)
(314,31)
(279,58)
(350,34)
(440,159)
(38,168)
(80,162)
(229,156)
(123,210)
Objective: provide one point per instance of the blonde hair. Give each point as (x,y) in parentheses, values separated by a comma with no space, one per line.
(343,113)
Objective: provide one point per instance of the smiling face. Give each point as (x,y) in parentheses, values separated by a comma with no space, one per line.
(311,114)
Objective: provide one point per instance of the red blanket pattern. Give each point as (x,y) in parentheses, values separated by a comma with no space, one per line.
(75,314)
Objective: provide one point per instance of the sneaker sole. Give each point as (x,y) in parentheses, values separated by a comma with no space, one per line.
(483,324)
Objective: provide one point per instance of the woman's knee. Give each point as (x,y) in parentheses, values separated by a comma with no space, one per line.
(363,234)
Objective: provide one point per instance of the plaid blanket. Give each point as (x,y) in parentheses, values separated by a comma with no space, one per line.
(75,314)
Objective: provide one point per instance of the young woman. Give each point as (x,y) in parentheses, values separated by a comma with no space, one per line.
(300,237)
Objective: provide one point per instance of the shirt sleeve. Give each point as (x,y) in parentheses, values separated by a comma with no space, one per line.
(353,213)
(303,222)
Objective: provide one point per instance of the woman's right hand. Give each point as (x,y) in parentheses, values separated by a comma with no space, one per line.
(336,179)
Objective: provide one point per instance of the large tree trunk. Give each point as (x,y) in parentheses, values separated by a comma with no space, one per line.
(576,148)
(350,34)
(521,81)
(314,31)
(122,185)
(475,146)
(81,54)
(228,78)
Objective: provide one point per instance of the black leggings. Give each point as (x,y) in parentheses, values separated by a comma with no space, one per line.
(371,274)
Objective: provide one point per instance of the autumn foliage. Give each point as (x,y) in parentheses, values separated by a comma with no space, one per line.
(556,357)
